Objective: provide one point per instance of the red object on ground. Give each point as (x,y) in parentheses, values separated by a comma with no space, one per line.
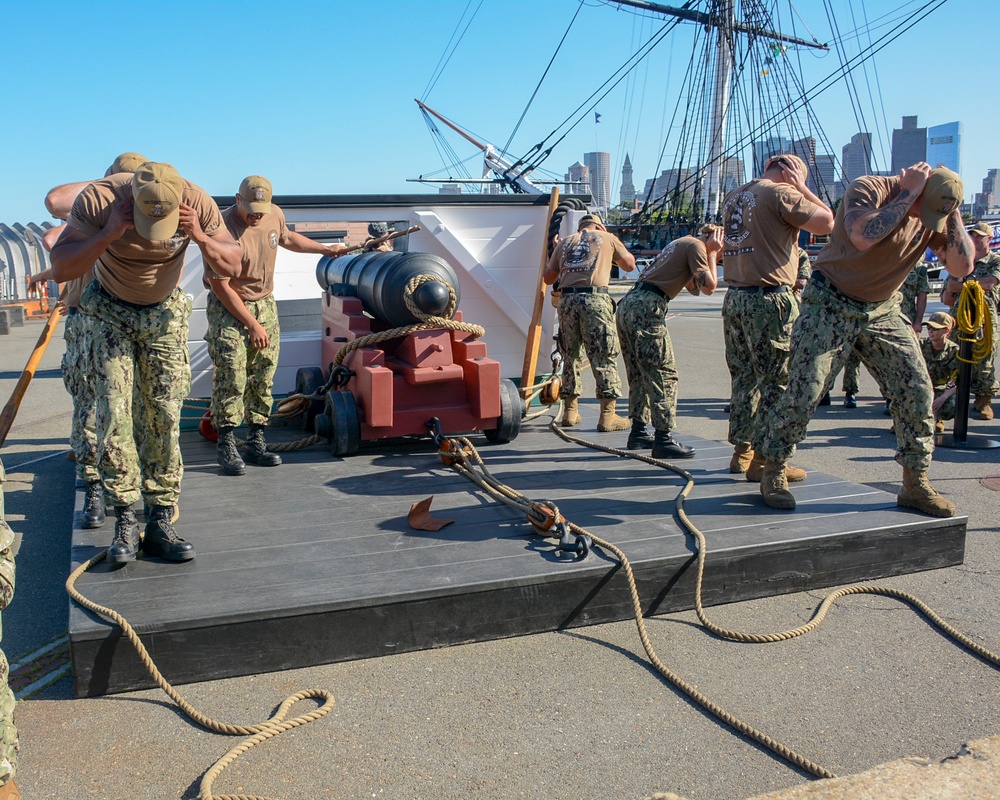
(207,429)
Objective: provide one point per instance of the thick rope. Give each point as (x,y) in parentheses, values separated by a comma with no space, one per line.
(971,314)
(428,322)
(477,473)
(257,733)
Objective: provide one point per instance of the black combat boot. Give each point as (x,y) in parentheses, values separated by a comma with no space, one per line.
(666,446)
(229,455)
(162,540)
(256,451)
(638,437)
(850,400)
(126,542)
(93,506)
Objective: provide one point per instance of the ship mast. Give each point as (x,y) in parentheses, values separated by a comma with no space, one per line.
(723,21)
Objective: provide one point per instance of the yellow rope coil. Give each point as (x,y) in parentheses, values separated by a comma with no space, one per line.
(972,313)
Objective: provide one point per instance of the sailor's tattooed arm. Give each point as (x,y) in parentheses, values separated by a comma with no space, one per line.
(867,226)
(960,261)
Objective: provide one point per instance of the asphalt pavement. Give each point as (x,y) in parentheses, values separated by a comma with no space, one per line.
(577,714)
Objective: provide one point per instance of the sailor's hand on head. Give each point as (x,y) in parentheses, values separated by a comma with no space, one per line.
(190,223)
(121,216)
(913,179)
(793,173)
(715,241)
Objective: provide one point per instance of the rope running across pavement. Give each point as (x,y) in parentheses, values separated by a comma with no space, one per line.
(467,462)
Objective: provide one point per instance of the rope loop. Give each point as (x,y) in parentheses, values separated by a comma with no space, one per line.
(972,316)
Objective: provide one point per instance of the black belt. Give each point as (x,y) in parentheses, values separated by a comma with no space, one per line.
(584,290)
(763,289)
(71,311)
(96,284)
(642,286)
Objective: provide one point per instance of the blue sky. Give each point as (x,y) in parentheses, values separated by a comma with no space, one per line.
(318,96)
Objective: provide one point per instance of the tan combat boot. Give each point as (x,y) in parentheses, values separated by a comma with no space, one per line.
(756,469)
(9,791)
(742,456)
(571,413)
(774,485)
(609,420)
(984,406)
(918,493)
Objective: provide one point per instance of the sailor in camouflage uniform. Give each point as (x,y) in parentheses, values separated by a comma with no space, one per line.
(243,333)
(8,731)
(646,347)
(136,228)
(987,274)
(582,265)
(883,226)
(941,356)
(761,221)
(76,362)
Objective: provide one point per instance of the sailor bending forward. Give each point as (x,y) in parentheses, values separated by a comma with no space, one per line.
(883,227)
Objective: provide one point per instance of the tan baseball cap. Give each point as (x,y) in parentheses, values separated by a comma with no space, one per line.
(589,219)
(157,190)
(126,162)
(255,191)
(939,319)
(942,194)
(982,229)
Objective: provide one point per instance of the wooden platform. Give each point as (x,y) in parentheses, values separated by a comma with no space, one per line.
(313,562)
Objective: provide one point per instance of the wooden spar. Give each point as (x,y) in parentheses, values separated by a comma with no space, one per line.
(376,242)
(535,329)
(10,410)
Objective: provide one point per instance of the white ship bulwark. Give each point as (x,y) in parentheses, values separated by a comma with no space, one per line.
(493,242)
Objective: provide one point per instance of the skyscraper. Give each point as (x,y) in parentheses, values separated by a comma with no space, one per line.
(909,145)
(857,157)
(577,179)
(627,194)
(600,177)
(944,146)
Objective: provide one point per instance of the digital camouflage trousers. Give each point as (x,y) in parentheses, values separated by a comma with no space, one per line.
(757,326)
(831,325)
(649,358)
(140,348)
(587,325)
(8,731)
(244,375)
(76,372)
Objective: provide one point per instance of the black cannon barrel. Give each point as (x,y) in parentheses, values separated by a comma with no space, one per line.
(379,280)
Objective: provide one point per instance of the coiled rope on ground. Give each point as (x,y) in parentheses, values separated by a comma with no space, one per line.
(257,733)
(467,462)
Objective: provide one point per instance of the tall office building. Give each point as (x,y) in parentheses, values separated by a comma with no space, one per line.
(856,157)
(944,146)
(577,179)
(909,145)
(765,148)
(671,182)
(730,175)
(827,187)
(627,194)
(600,177)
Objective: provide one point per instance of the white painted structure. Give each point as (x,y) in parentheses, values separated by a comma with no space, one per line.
(493,242)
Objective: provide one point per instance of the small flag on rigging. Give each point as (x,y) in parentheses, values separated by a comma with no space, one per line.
(597,117)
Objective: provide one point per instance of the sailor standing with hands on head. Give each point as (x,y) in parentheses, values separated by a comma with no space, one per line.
(883,226)
(133,229)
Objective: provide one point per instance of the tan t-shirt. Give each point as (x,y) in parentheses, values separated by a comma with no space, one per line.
(72,290)
(676,264)
(761,224)
(875,274)
(585,258)
(134,269)
(258,249)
